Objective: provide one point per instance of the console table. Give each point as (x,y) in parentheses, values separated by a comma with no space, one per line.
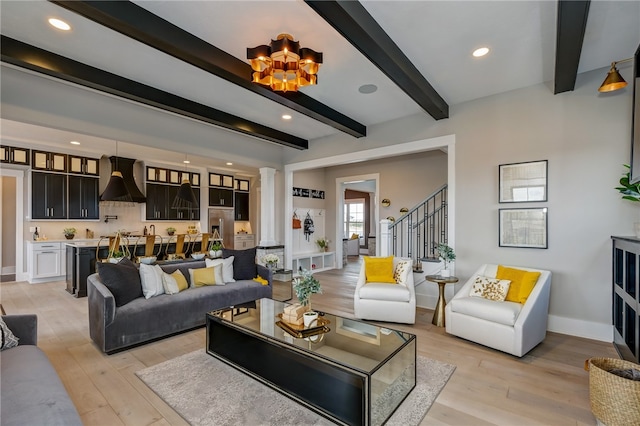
(625,287)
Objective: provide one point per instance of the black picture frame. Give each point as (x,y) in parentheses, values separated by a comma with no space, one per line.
(523,182)
(523,227)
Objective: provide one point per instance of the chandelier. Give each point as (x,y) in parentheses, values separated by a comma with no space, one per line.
(283,65)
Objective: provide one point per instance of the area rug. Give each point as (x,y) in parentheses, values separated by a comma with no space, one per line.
(206,391)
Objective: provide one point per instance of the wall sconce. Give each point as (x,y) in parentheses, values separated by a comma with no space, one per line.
(614,80)
(386,202)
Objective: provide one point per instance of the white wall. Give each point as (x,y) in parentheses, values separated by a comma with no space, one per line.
(584,135)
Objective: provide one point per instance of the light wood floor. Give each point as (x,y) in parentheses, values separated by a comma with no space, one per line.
(546,387)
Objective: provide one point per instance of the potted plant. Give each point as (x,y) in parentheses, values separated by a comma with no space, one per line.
(116,256)
(305,285)
(215,249)
(323,243)
(171,230)
(447,255)
(271,260)
(69,233)
(630,191)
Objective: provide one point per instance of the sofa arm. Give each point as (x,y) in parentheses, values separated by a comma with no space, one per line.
(102,309)
(24,327)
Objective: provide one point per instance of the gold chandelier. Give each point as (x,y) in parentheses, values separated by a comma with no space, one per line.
(284,65)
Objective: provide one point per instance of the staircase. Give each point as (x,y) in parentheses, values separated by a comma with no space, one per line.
(417,233)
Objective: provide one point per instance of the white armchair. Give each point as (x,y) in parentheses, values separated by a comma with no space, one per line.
(506,326)
(384,301)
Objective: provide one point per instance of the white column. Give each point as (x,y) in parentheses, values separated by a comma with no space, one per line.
(384,239)
(267,206)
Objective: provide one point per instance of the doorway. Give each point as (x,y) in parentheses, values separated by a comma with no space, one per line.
(11,227)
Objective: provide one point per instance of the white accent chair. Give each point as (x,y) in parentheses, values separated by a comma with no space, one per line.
(384,301)
(506,326)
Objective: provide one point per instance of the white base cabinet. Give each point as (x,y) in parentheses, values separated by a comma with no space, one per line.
(244,241)
(314,262)
(46,261)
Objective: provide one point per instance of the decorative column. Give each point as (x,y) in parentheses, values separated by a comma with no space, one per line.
(267,206)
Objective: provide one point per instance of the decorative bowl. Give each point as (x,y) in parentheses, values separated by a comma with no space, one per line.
(198,256)
(148,259)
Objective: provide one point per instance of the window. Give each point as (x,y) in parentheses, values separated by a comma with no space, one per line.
(353,217)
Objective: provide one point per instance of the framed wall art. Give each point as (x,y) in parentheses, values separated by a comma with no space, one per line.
(526,227)
(523,182)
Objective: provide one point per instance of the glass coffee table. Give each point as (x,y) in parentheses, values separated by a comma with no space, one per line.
(346,370)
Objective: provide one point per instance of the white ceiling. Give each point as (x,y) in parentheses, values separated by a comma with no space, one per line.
(437,36)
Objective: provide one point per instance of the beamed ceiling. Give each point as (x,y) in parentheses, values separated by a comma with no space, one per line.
(189,57)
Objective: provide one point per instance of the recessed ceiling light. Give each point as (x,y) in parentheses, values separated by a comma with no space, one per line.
(59,24)
(367,88)
(286,117)
(229,163)
(74,143)
(480,52)
(186,161)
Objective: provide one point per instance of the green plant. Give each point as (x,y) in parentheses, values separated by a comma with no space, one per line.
(69,231)
(629,191)
(117,254)
(215,245)
(305,285)
(446,253)
(171,229)
(323,242)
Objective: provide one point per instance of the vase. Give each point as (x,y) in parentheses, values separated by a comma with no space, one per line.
(326,249)
(309,318)
(445,273)
(272,266)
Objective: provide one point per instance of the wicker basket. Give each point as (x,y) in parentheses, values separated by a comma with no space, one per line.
(615,400)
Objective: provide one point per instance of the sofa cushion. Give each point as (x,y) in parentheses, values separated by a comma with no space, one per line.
(227,267)
(489,288)
(122,279)
(382,291)
(8,339)
(379,269)
(522,282)
(151,280)
(174,283)
(244,264)
(501,312)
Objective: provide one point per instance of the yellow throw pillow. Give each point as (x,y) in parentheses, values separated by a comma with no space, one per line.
(379,269)
(204,276)
(355,236)
(174,283)
(522,282)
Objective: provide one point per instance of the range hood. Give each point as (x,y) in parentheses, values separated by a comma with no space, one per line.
(125,166)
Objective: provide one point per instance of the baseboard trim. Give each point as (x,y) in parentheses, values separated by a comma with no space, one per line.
(580,328)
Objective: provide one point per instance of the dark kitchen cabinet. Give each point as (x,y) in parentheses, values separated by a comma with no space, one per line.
(81,262)
(182,214)
(52,161)
(84,165)
(220,197)
(11,155)
(158,202)
(242,206)
(48,196)
(83,198)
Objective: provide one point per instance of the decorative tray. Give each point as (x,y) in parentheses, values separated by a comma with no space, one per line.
(299,332)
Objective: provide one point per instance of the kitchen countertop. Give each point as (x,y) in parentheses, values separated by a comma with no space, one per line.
(93,242)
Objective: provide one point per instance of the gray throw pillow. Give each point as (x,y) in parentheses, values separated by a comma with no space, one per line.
(122,279)
(9,340)
(244,264)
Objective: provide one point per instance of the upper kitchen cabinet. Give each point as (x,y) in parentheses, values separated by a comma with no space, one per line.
(158,202)
(84,165)
(52,161)
(241,205)
(242,185)
(48,196)
(83,198)
(12,155)
(183,214)
(220,197)
(219,180)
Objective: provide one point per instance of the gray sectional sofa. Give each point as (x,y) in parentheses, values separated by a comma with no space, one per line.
(115,328)
(32,393)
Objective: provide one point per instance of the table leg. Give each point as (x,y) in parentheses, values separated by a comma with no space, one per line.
(438,314)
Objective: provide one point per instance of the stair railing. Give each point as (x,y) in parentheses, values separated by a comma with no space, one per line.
(417,233)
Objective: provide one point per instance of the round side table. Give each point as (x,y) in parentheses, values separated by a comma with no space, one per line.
(438,315)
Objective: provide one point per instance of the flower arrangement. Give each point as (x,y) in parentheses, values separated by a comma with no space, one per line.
(323,243)
(271,260)
(305,285)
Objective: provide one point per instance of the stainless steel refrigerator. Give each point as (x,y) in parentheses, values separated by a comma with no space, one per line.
(221,220)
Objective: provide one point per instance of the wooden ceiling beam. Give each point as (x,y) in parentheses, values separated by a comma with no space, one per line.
(138,23)
(571,26)
(33,58)
(356,25)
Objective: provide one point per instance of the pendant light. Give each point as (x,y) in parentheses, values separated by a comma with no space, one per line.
(185,198)
(116,189)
